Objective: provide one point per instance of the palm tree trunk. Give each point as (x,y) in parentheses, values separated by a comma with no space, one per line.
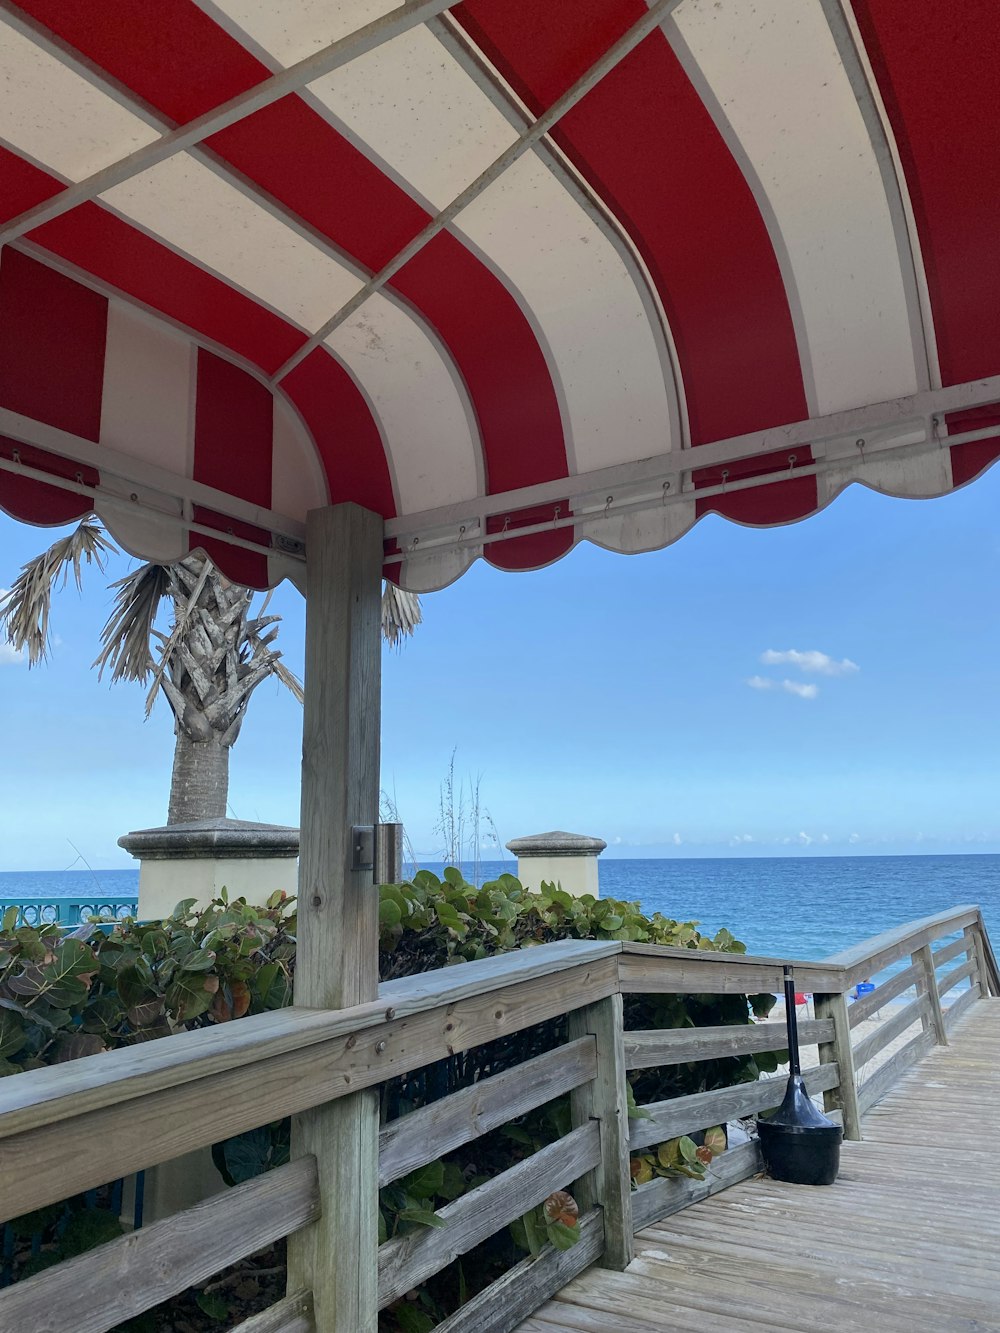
(199,784)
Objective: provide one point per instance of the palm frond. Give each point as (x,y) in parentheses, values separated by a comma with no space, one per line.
(24,614)
(125,639)
(401,614)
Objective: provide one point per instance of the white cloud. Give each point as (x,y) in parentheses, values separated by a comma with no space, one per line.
(677,839)
(812,662)
(804,839)
(802,690)
(855,837)
(789,686)
(741,839)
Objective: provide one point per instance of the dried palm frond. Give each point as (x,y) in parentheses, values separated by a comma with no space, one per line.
(126,637)
(401,614)
(24,615)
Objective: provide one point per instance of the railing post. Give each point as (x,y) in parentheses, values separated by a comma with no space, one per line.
(605,1099)
(844,1097)
(336,1258)
(989,976)
(927,985)
(977,950)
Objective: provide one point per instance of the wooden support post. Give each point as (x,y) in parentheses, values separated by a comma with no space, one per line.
(844,1097)
(976,950)
(388,853)
(989,978)
(336,1258)
(604,1098)
(927,985)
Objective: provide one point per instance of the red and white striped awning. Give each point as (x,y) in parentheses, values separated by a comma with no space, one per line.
(512,274)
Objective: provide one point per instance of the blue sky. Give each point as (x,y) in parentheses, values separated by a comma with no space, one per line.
(607,695)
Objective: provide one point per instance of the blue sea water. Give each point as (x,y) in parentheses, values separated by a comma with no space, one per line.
(805,907)
(801,907)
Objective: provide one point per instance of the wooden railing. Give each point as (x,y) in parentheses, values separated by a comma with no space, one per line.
(150,1103)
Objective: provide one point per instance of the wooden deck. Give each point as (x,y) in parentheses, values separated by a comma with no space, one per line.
(908,1238)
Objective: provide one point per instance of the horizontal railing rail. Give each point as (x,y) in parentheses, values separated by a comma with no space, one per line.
(158,1100)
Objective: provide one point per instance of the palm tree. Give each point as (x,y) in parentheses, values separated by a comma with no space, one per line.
(215,653)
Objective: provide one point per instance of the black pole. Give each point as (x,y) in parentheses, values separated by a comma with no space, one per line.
(791,1023)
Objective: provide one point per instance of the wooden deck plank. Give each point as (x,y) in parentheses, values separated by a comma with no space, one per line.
(905,1240)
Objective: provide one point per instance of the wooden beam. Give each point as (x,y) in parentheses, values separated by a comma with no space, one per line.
(844,1095)
(661,1198)
(927,985)
(684,1115)
(337,956)
(605,1099)
(502,1305)
(675,1046)
(990,978)
(292,1315)
(410,1141)
(98,1290)
(40,1165)
(869,1004)
(406,1261)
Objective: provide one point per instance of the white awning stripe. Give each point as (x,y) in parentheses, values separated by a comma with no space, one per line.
(422,408)
(198,211)
(783,101)
(422,116)
(57,117)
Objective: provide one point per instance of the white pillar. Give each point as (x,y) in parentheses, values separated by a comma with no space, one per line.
(566,859)
(198,859)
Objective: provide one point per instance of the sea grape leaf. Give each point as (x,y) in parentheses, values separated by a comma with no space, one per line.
(12,1032)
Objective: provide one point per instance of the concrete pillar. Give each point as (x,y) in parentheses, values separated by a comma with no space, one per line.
(566,859)
(197,859)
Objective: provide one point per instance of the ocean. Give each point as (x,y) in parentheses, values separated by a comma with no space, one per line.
(804,907)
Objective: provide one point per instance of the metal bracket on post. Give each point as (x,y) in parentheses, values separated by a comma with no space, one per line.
(362,846)
(388,853)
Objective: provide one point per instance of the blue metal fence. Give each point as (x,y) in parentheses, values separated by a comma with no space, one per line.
(69,911)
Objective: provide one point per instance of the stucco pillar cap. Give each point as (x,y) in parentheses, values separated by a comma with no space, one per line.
(218,839)
(557,843)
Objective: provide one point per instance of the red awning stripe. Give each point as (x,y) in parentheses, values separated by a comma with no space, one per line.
(940,81)
(277,149)
(738,239)
(635,137)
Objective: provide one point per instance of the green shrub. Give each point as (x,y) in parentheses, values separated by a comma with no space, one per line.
(63,996)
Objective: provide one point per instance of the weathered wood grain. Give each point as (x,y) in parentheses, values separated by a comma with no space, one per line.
(928,987)
(656,1047)
(870,957)
(842,1096)
(905,1240)
(102,1288)
(605,1100)
(39,1166)
(294,1314)
(866,1005)
(990,975)
(336,962)
(527,1285)
(951,979)
(890,1029)
(684,1115)
(960,1006)
(660,1198)
(690,972)
(423,1135)
(59,1092)
(887,1075)
(408,1260)
(952,950)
